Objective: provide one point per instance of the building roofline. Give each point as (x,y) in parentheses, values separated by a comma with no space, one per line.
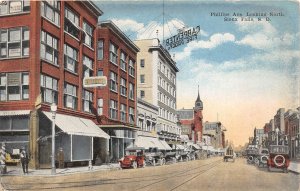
(166,55)
(109,24)
(91,5)
(147,104)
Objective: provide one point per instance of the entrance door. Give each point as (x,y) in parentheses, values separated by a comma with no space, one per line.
(45,153)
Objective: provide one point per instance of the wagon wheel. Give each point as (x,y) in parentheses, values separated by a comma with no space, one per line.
(134,165)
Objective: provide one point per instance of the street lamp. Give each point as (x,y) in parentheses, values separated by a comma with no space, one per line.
(277,131)
(53,111)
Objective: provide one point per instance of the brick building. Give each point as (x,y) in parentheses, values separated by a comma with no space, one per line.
(117,102)
(47,48)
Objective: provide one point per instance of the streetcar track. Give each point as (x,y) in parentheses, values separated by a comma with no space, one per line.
(63,185)
(179,174)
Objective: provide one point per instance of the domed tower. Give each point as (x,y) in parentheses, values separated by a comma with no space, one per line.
(198,126)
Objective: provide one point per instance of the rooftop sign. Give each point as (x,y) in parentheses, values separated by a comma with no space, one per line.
(183,36)
(97,81)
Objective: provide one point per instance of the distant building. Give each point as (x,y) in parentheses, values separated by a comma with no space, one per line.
(217,130)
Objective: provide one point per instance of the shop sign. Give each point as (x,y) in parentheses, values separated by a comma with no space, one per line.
(97,81)
(184,36)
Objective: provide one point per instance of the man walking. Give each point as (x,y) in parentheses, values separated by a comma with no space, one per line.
(24,160)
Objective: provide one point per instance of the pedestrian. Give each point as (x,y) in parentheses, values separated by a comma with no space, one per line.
(24,160)
(61,158)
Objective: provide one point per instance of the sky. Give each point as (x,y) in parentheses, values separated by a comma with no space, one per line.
(246,70)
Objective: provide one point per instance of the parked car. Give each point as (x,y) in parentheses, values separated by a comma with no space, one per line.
(251,154)
(133,158)
(154,156)
(279,157)
(262,157)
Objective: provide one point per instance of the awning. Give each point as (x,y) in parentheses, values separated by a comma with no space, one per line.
(148,142)
(77,126)
(194,145)
(179,147)
(165,144)
(14,112)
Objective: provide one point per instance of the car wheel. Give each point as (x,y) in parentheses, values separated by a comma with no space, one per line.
(134,165)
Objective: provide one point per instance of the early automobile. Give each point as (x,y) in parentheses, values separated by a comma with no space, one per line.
(154,156)
(134,158)
(262,157)
(229,154)
(279,157)
(251,153)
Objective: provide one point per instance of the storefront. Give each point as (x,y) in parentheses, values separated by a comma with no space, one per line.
(14,129)
(120,139)
(74,135)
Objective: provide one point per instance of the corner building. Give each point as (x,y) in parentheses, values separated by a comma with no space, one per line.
(156,84)
(47,48)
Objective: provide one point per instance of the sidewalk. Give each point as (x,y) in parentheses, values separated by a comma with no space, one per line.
(295,166)
(17,170)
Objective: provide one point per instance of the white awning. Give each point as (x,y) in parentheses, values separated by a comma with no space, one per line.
(77,126)
(179,147)
(14,112)
(194,145)
(147,142)
(166,145)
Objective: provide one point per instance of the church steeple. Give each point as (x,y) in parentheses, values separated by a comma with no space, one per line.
(198,102)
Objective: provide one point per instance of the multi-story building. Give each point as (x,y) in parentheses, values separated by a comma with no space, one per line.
(279,120)
(47,48)
(116,103)
(156,84)
(215,129)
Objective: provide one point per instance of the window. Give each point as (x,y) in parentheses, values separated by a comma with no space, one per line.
(88,39)
(123,112)
(100,73)
(113,109)
(51,11)
(142,78)
(70,96)
(131,115)
(87,66)
(123,89)
(113,81)
(131,68)
(142,63)
(49,48)
(71,58)
(14,7)
(14,86)
(71,23)
(131,91)
(87,101)
(142,93)
(100,106)
(113,53)
(49,89)
(14,42)
(100,50)
(123,61)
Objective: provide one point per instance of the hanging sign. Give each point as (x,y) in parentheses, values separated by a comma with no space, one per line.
(97,81)
(183,36)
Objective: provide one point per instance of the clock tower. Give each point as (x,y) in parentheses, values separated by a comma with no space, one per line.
(198,126)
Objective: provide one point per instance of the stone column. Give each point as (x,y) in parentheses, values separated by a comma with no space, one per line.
(33,139)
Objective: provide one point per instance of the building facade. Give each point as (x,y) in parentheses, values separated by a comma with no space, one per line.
(215,130)
(47,48)
(116,59)
(156,84)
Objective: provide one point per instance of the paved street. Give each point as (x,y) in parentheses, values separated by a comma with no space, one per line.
(211,174)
